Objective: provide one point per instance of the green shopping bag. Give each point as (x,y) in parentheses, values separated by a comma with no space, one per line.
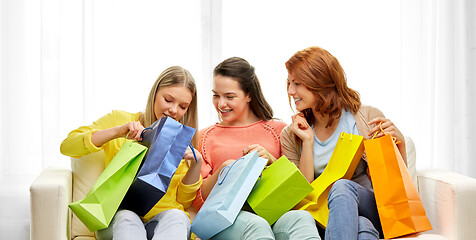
(97,209)
(281,187)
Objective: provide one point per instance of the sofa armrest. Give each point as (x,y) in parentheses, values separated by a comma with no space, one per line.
(50,195)
(449,200)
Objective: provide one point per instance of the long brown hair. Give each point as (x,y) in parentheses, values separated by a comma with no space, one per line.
(175,75)
(240,70)
(322,73)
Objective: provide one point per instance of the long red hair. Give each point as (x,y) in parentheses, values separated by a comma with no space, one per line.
(322,73)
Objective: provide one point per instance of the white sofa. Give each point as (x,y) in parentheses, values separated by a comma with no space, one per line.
(448,199)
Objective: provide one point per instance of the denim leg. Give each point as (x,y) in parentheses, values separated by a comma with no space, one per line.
(125,225)
(347,201)
(367,230)
(247,226)
(296,224)
(171,224)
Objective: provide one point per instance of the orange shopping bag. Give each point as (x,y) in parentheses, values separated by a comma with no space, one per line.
(342,164)
(399,206)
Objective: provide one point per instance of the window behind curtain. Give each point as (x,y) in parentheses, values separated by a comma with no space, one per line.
(363,35)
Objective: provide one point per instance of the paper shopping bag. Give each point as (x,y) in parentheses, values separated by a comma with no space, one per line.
(168,140)
(100,204)
(399,206)
(342,164)
(227,197)
(280,188)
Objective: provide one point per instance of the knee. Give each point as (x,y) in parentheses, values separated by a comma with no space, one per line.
(258,222)
(176,215)
(252,221)
(296,217)
(342,187)
(126,217)
(296,224)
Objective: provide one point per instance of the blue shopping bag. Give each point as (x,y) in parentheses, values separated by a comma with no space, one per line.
(167,141)
(227,197)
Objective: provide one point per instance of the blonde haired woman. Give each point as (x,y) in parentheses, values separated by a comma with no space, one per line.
(173,94)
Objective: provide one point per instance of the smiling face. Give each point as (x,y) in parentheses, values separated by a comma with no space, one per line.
(230,101)
(301,95)
(172,101)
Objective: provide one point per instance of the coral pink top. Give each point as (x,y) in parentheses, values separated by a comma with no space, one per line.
(221,143)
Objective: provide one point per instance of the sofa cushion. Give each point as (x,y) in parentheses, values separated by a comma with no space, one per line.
(85,172)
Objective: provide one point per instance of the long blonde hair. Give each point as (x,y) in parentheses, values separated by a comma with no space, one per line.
(175,75)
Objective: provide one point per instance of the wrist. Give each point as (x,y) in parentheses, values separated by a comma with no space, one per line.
(118,132)
(307,142)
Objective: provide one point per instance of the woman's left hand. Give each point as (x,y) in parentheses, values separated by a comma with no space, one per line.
(189,156)
(262,152)
(193,173)
(387,126)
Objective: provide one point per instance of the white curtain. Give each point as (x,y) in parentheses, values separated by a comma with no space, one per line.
(439,78)
(66,63)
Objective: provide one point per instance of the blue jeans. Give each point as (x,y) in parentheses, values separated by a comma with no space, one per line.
(352,212)
(170,224)
(296,224)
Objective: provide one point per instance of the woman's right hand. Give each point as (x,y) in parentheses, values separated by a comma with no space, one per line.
(103,136)
(301,128)
(134,129)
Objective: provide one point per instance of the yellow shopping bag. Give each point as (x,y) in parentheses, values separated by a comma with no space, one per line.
(342,164)
(399,206)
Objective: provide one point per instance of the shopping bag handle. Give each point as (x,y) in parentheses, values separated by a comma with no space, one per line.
(143,130)
(256,184)
(381,130)
(226,174)
(193,151)
(342,135)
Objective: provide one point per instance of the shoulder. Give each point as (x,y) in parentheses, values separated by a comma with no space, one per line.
(286,131)
(203,131)
(118,117)
(275,124)
(366,113)
(204,134)
(363,116)
(119,114)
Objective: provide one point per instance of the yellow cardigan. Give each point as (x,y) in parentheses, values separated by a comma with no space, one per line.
(78,143)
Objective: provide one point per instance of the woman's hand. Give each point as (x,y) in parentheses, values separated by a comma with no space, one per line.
(189,156)
(103,136)
(262,152)
(389,128)
(134,129)
(193,173)
(301,128)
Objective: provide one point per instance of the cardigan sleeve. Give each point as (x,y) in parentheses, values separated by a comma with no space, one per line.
(78,142)
(289,146)
(187,193)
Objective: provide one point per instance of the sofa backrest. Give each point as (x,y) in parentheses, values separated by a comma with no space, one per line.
(85,172)
(411,160)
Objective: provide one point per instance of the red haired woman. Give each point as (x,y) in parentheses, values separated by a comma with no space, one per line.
(318,87)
